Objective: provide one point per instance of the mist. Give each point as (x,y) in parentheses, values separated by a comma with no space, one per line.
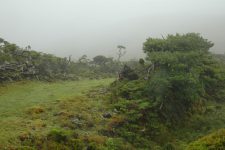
(93,27)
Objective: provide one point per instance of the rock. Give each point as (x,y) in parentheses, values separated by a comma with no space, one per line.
(76,121)
(107,115)
(115,111)
(59,113)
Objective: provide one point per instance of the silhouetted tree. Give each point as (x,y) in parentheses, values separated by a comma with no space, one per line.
(121,51)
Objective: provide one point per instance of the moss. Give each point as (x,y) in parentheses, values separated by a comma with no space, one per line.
(25,148)
(95,139)
(213,141)
(35,110)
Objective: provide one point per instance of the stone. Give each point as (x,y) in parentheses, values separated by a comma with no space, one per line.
(107,115)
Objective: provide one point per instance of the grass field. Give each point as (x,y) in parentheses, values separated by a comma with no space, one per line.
(32,107)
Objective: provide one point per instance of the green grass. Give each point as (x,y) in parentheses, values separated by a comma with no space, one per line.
(32,108)
(29,107)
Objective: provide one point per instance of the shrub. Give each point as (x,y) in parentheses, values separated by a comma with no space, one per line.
(58,135)
(128,73)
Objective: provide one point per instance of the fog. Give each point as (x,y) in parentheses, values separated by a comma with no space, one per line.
(92,27)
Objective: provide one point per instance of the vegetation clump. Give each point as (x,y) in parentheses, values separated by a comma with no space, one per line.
(180,76)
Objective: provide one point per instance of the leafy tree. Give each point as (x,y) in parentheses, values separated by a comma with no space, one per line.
(83,59)
(100,60)
(177,83)
(184,75)
(178,42)
(141,61)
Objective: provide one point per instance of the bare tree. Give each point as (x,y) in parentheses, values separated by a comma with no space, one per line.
(121,51)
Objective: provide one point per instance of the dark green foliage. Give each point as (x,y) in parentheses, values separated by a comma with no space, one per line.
(141,61)
(100,60)
(58,135)
(128,73)
(183,76)
(130,90)
(178,42)
(104,65)
(174,89)
(92,146)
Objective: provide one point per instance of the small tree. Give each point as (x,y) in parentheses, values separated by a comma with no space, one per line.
(28,47)
(141,61)
(83,59)
(100,60)
(1,40)
(121,51)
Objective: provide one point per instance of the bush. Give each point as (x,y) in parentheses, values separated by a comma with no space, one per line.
(128,73)
(58,135)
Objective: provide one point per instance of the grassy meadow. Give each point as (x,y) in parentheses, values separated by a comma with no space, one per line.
(32,107)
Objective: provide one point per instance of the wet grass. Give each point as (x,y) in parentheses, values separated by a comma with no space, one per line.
(33,107)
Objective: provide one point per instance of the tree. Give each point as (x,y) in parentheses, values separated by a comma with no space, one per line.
(184,73)
(178,42)
(83,59)
(121,51)
(141,61)
(28,47)
(1,40)
(100,60)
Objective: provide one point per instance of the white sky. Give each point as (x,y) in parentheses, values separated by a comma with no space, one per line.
(93,27)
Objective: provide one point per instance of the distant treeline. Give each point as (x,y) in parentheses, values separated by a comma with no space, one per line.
(23,63)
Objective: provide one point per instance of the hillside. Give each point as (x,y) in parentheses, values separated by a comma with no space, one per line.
(174,99)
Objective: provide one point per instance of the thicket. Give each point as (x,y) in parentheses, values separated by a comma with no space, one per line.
(178,77)
(23,63)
